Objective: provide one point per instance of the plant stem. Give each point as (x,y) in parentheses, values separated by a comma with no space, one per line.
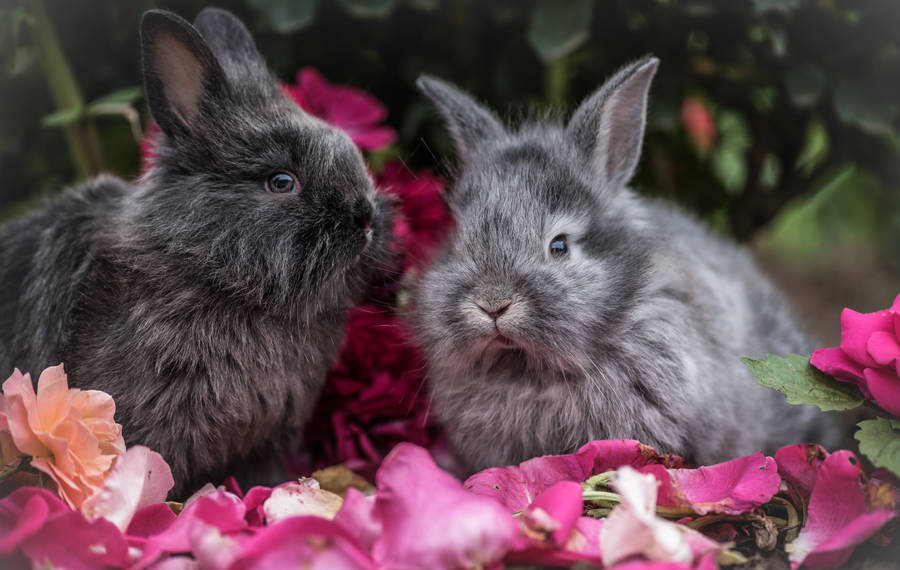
(81,135)
(556,81)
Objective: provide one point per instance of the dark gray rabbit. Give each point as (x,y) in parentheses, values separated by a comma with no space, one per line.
(208,298)
(566,308)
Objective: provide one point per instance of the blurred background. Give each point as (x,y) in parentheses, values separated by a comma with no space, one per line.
(778,121)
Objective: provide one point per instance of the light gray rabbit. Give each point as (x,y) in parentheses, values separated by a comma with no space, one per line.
(208,298)
(566,308)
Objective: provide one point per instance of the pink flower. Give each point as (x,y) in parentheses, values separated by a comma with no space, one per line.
(71,434)
(515,487)
(633,529)
(430,521)
(357,517)
(799,465)
(424,220)
(138,479)
(869,355)
(39,526)
(699,123)
(838,518)
(733,487)
(349,109)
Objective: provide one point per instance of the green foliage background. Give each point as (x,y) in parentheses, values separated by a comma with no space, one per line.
(805,95)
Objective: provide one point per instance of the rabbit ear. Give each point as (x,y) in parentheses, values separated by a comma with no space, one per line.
(180,71)
(231,42)
(609,125)
(469,122)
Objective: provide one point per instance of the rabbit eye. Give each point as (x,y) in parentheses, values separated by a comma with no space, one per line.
(559,247)
(282,183)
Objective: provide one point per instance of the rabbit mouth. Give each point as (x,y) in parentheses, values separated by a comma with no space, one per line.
(501,341)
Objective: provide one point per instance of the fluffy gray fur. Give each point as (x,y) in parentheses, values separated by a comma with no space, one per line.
(635,333)
(208,307)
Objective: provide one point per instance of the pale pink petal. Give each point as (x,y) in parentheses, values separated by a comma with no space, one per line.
(856,328)
(213,549)
(838,519)
(733,487)
(356,517)
(139,478)
(304,498)
(834,362)
(307,542)
(799,465)
(19,405)
(884,384)
(430,521)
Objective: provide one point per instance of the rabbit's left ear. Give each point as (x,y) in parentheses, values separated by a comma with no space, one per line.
(231,42)
(180,71)
(609,126)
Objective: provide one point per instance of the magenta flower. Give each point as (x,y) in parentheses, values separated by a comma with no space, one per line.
(733,487)
(429,521)
(354,111)
(799,465)
(869,355)
(839,518)
(515,486)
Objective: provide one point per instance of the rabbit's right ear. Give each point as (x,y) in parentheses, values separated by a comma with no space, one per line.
(469,122)
(180,71)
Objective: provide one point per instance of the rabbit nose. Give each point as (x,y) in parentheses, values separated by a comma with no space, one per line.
(494,310)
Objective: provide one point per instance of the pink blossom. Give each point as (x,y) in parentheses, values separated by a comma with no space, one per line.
(869,355)
(430,521)
(799,465)
(138,479)
(839,518)
(352,110)
(732,487)
(357,517)
(516,487)
(633,529)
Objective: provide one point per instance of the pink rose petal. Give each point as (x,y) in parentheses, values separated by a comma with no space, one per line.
(516,487)
(430,521)
(838,519)
(356,517)
(296,499)
(856,328)
(68,540)
(733,487)
(799,465)
(23,512)
(834,362)
(885,387)
(304,541)
(883,347)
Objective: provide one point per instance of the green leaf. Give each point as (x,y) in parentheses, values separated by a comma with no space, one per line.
(285,16)
(794,377)
(870,109)
(62,117)
(559,27)
(815,146)
(805,85)
(879,440)
(124,95)
(368,8)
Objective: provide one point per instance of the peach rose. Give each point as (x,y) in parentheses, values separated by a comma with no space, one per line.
(71,434)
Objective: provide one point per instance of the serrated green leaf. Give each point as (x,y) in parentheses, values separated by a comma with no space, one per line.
(124,95)
(879,440)
(559,27)
(62,117)
(794,377)
(368,8)
(285,16)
